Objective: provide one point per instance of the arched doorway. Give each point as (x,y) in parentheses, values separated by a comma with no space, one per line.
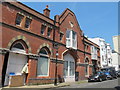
(16,60)
(69,68)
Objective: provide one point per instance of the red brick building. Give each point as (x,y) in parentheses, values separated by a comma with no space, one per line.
(34,38)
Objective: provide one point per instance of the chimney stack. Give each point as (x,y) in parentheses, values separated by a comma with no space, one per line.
(56,18)
(46,11)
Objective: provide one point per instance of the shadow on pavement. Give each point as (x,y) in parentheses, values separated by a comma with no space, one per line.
(117,87)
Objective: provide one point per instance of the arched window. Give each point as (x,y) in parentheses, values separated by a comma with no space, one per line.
(43,52)
(86,60)
(43,63)
(18,47)
(86,66)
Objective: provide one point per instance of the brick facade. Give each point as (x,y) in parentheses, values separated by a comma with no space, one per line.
(33,41)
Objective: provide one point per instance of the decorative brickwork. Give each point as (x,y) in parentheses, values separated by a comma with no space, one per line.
(44,45)
(18,38)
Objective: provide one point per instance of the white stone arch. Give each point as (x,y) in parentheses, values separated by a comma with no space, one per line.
(20,38)
(18,49)
(46,46)
(64,53)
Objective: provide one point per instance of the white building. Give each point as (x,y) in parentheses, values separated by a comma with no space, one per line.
(116,52)
(116,43)
(94,53)
(95,59)
(109,54)
(115,57)
(105,51)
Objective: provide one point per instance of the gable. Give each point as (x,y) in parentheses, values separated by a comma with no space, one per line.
(70,14)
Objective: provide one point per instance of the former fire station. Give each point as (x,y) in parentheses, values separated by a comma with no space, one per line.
(44,49)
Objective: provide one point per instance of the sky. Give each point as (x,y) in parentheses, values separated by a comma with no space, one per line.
(96,19)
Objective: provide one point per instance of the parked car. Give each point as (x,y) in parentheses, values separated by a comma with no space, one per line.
(108,75)
(99,76)
(118,73)
(111,70)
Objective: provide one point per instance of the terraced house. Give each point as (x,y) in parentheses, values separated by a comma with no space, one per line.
(34,44)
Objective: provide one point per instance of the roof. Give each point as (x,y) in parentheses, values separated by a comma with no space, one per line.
(31,11)
(65,14)
(90,42)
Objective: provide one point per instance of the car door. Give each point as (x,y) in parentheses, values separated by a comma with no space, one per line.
(102,75)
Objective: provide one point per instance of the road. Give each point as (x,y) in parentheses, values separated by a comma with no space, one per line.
(104,84)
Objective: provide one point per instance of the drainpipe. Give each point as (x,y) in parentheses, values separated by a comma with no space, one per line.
(84,45)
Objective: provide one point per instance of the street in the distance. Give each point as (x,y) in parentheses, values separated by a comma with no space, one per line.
(104,84)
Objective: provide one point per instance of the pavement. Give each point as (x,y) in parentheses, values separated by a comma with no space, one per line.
(113,84)
(49,86)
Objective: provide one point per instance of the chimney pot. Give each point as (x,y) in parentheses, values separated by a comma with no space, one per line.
(47,6)
(46,11)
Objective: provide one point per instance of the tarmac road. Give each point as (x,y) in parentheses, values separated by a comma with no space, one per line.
(104,84)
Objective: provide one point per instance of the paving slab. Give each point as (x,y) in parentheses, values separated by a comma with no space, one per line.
(48,86)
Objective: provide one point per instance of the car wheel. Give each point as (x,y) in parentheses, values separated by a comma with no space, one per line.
(100,79)
(116,77)
(106,78)
(111,78)
(89,81)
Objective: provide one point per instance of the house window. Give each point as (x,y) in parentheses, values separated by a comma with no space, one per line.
(86,66)
(69,68)
(65,68)
(68,38)
(27,23)
(71,39)
(49,32)
(43,63)
(74,39)
(71,73)
(94,52)
(92,49)
(102,58)
(71,24)
(86,47)
(19,19)
(61,36)
(102,49)
(119,66)
(86,70)
(18,45)
(43,29)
